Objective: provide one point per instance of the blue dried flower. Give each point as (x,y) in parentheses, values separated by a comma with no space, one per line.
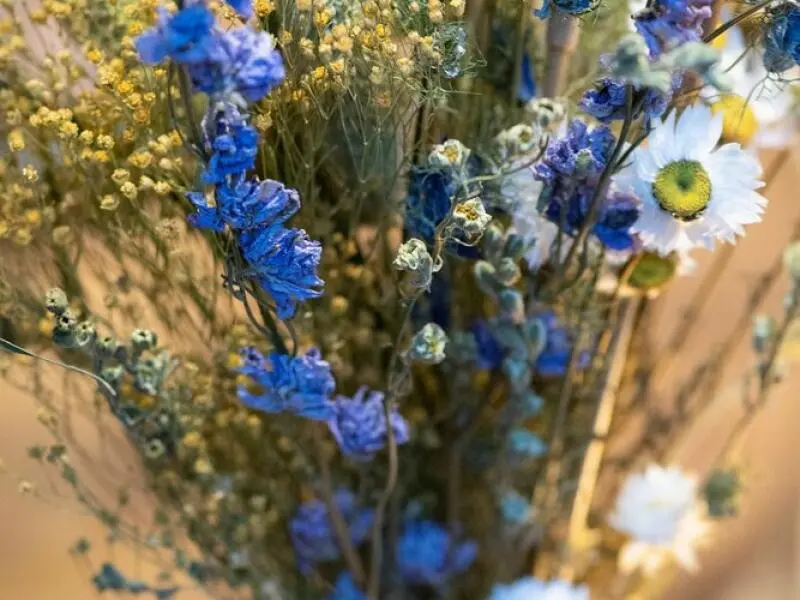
(346,589)
(430,196)
(359,424)
(426,556)
(667,24)
(185,36)
(554,359)
(570,171)
(490,353)
(285,262)
(573,7)
(245,205)
(618,212)
(242,61)
(527,81)
(300,385)
(243,7)
(782,39)
(234,146)
(312,533)
(606,101)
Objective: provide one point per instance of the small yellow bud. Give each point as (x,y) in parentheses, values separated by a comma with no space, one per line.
(120,176)
(162,188)
(86,137)
(109,202)
(16,140)
(33,216)
(101,156)
(129,190)
(30,173)
(95,56)
(145,183)
(105,141)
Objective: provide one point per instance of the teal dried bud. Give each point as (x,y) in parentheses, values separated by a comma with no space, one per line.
(493,241)
(512,305)
(85,334)
(107,347)
(703,60)
(546,112)
(518,372)
(428,345)
(471,218)
(485,275)
(764,329)
(721,492)
(143,340)
(530,405)
(413,258)
(630,62)
(525,443)
(450,155)
(113,375)
(463,347)
(56,301)
(64,330)
(149,374)
(507,271)
(791,260)
(515,247)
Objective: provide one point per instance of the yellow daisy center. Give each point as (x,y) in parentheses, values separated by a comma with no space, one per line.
(683,189)
(652,271)
(739,123)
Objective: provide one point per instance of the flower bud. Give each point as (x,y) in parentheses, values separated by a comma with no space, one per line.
(791,260)
(471,218)
(56,301)
(452,154)
(428,345)
(413,257)
(143,339)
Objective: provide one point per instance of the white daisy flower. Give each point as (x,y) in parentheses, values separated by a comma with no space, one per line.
(692,194)
(531,588)
(661,511)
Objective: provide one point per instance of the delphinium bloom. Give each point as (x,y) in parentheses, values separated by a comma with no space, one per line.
(666,24)
(692,193)
(346,589)
(235,67)
(301,385)
(782,38)
(554,358)
(430,196)
(359,424)
(606,101)
(243,62)
(662,513)
(312,532)
(570,171)
(185,36)
(428,555)
(531,588)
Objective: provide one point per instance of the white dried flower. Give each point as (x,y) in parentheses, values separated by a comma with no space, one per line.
(661,511)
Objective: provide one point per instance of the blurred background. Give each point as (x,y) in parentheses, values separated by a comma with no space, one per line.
(756,556)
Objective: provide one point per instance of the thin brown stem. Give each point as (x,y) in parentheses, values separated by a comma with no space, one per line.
(340,528)
(562,40)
